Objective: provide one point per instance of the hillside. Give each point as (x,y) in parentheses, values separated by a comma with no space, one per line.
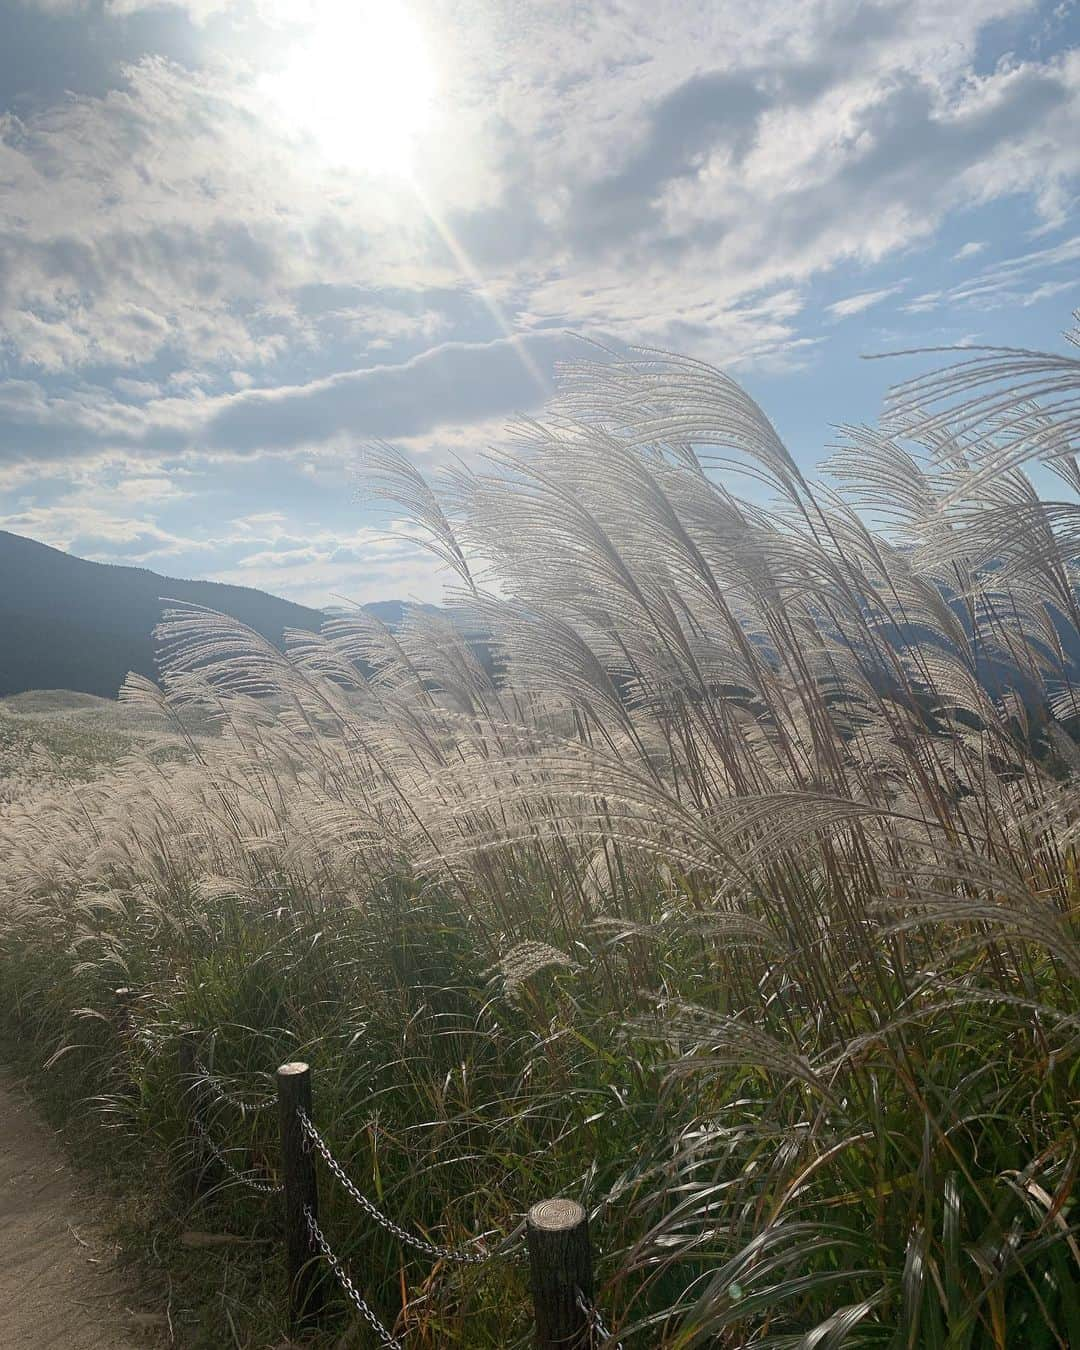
(66,623)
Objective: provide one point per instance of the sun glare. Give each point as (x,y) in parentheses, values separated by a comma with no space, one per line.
(360,87)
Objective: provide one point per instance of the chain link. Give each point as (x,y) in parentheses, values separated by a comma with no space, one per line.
(350,1289)
(241,1104)
(596,1322)
(263,1187)
(402,1234)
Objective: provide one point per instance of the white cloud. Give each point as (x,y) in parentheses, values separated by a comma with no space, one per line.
(923,304)
(1021,280)
(200,10)
(187,289)
(258,523)
(681,153)
(95,533)
(139,390)
(355,564)
(361,565)
(147,489)
(444,386)
(55,6)
(164,217)
(856,304)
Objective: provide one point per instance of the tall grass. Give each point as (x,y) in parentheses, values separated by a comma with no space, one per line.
(726,878)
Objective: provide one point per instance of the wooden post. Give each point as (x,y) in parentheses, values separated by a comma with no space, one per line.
(194,1172)
(306,1289)
(125,1032)
(124,1020)
(560,1269)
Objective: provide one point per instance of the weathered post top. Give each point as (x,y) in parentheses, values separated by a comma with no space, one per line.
(555,1216)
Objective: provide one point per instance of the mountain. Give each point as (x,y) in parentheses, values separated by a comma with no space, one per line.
(66,623)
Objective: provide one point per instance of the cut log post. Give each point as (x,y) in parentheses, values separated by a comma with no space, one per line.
(194,1113)
(125,1022)
(560,1268)
(124,1014)
(306,1287)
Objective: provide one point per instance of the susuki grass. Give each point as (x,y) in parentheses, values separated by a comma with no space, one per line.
(726,878)
(54,736)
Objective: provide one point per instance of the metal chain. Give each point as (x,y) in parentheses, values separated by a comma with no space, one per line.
(596,1322)
(213,1082)
(377,1216)
(263,1187)
(343,1279)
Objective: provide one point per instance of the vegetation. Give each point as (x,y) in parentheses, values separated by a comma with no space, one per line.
(737,895)
(51,737)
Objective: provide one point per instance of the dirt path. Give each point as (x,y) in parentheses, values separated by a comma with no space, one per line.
(58,1289)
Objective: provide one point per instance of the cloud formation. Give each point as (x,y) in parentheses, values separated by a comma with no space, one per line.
(185,276)
(453,382)
(856,304)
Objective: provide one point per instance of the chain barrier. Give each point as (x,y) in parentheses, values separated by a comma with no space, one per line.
(510,1247)
(241,1104)
(403,1235)
(263,1187)
(596,1322)
(390,1342)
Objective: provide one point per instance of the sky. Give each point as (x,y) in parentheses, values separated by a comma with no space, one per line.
(240,238)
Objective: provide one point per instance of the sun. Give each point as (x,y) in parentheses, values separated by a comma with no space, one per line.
(360,87)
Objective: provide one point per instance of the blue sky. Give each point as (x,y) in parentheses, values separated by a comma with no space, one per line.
(238,238)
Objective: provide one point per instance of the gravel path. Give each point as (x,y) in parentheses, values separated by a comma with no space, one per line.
(58,1288)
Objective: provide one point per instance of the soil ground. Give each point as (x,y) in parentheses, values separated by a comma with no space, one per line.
(59,1288)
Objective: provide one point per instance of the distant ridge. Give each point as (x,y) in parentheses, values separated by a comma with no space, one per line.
(66,623)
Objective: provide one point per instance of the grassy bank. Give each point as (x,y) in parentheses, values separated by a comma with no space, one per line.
(733,892)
